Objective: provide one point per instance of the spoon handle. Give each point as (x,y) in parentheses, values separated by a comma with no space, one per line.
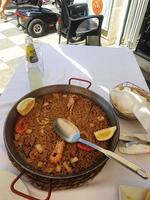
(141,172)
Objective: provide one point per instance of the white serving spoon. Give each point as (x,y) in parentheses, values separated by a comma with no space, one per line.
(70,133)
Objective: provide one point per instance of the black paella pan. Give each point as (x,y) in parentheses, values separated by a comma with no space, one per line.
(48,181)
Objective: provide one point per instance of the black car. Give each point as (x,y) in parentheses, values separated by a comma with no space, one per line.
(36,20)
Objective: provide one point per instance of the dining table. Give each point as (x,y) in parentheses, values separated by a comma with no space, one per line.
(104,67)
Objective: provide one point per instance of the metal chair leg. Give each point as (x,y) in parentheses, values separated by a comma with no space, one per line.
(59,38)
(67,40)
(86,40)
(99,40)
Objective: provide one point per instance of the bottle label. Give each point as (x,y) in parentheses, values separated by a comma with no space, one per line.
(31,55)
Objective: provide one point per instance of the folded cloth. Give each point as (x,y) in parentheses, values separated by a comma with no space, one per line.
(134,143)
(135,137)
(133,148)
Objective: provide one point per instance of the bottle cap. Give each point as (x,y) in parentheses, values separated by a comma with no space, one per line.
(28,39)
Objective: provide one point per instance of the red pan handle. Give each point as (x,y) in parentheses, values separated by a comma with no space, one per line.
(79,79)
(26,196)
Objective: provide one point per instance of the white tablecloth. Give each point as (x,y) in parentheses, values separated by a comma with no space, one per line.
(105,68)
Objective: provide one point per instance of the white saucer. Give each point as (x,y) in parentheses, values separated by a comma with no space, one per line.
(6,179)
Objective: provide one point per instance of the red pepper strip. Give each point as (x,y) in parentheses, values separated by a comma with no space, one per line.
(84,147)
(20,126)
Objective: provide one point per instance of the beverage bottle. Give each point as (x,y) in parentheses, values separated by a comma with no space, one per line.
(32,65)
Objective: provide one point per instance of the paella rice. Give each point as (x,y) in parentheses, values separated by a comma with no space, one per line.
(38,144)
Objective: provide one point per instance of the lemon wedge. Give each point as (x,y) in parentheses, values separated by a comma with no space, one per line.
(25,106)
(105,134)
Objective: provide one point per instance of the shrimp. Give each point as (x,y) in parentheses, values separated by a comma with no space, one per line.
(70,103)
(56,155)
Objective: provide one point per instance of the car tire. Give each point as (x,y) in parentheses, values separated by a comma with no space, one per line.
(37,28)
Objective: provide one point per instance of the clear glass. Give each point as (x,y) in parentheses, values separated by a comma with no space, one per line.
(51,71)
(38,50)
(34,76)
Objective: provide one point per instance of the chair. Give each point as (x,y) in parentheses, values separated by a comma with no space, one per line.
(75,24)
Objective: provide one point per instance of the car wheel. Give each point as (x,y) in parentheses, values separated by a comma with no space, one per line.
(37,28)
